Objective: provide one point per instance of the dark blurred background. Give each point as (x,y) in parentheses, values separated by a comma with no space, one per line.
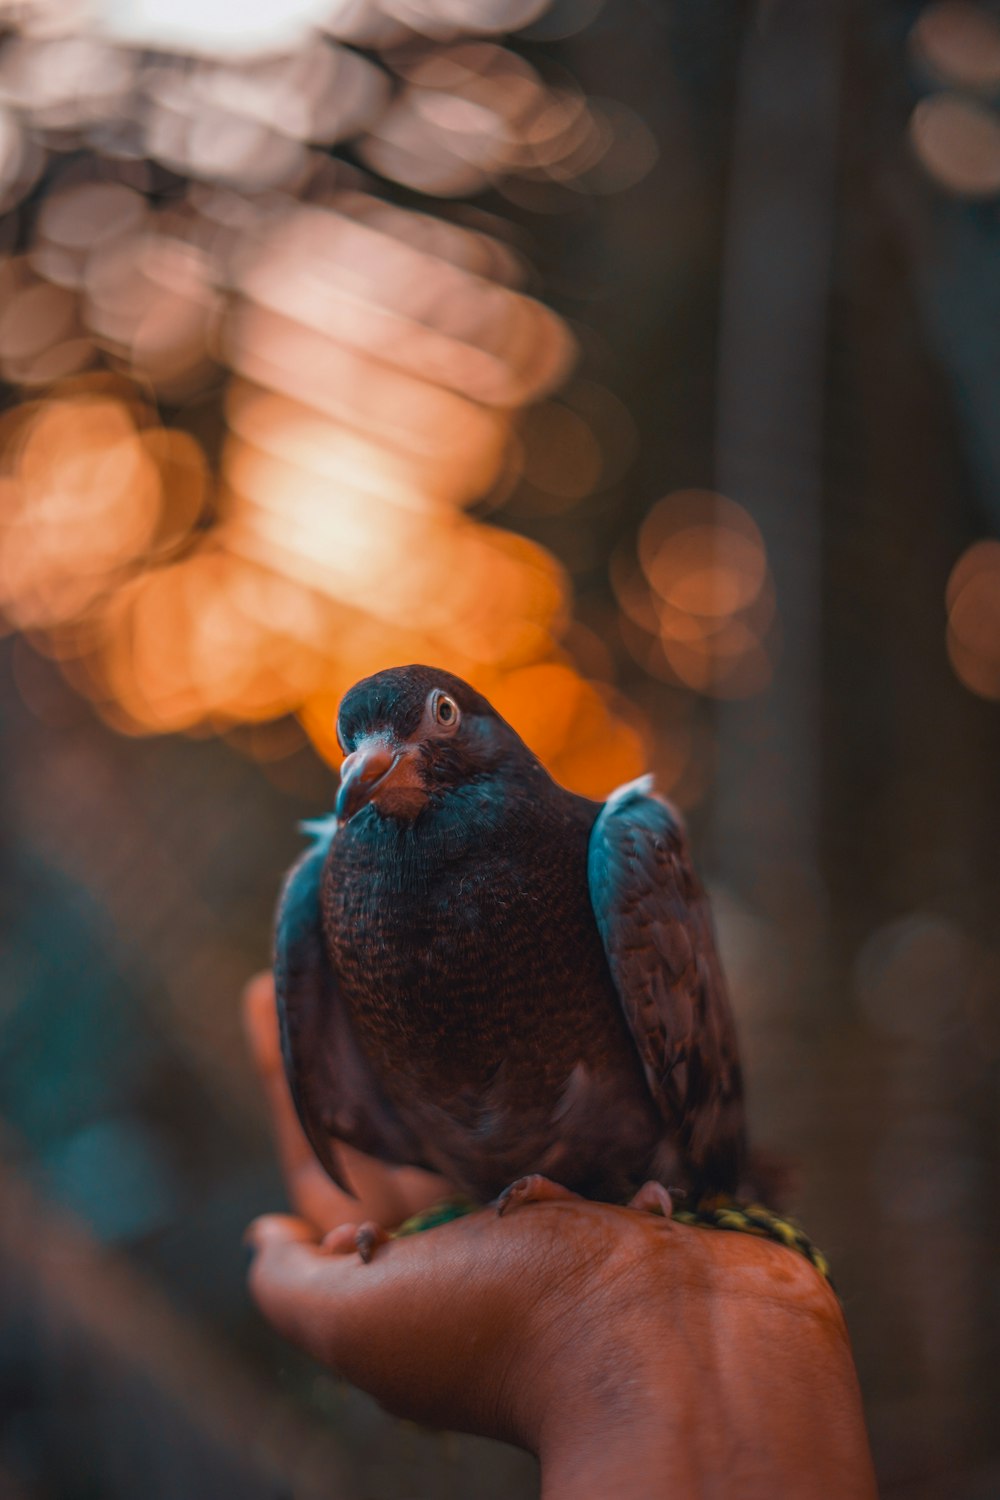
(641,366)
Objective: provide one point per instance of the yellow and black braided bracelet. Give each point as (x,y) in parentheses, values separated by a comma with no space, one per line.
(754,1218)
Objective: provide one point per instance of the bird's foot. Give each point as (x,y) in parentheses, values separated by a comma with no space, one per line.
(363,1238)
(533,1189)
(654,1198)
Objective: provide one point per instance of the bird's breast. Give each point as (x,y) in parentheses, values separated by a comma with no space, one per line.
(480,994)
(454,967)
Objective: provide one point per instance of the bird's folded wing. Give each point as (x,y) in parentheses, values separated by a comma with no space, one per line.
(335,1092)
(656,928)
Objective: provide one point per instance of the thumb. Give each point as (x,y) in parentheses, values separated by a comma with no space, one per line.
(290,1279)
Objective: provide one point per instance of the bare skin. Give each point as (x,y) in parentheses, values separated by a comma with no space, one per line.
(637,1357)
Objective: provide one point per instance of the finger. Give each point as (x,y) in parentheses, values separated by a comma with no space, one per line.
(311,1191)
(298,1285)
(260,1019)
(260,1023)
(341,1241)
(437,1327)
(278,1229)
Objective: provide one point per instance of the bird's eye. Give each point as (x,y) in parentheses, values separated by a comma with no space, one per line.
(446,711)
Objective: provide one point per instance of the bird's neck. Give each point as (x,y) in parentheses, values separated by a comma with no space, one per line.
(446,830)
(474,820)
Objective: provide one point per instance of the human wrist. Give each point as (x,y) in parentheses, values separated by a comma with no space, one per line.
(616,1423)
(724,1369)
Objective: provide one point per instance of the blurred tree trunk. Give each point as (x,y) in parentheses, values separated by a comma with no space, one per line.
(772,361)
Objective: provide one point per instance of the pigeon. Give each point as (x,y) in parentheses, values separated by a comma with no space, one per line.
(485,975)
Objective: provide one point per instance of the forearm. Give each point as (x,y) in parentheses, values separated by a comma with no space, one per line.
(635,1466)
(626,1464)
(754,1399)
(808,1455)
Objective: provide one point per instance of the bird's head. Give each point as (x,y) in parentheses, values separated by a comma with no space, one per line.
(411,734)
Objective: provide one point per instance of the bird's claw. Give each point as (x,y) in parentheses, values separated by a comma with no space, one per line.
(363,1238)
(532,1189)
(369,1237)
(654,1198)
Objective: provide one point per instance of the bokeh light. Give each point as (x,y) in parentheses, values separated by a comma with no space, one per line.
(376,369)
(957,141)
(914,977)
(698,607)
(960,43)
(82,498)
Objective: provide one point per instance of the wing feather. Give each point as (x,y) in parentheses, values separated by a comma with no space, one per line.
(336,1094)
(656,928)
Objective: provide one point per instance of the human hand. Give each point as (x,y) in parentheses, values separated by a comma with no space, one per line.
(634,1355)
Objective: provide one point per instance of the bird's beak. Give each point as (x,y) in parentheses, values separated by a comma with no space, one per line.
(371,772)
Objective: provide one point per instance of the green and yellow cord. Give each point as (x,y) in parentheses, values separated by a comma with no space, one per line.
(716,1213)
(441,1213)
